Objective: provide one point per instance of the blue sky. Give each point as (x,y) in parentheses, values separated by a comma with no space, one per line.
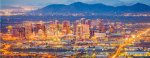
(42,3)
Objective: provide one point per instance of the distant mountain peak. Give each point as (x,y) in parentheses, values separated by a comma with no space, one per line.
(78,3)
(79,7)
(139,4)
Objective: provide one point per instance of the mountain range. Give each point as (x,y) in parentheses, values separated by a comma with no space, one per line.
(79,7)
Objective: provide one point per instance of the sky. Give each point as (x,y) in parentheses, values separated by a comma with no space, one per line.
(42,3)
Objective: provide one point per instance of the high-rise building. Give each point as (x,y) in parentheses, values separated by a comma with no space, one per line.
(66,27)
(111,28)
(19,32)
(82,20)
(88,22)
(100,25)
(92,31)
(39,25)
(82,30)
(15,32)
(75,26)
(53,29)
(28,28)
(41,34)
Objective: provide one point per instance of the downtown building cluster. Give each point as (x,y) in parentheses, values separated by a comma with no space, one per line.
(80,38)
(80,29)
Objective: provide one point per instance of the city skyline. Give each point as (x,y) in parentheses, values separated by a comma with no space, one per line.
(81,38)
(75,29)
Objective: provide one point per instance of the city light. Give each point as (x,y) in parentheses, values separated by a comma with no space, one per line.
(74,29)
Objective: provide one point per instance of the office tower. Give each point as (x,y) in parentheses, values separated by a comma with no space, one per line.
(15,32)
(79,30)
(88,22)
(111,28)
(66,27)
(19,32)
(94,23)
(86,31)
(41,34)
(92,31)
(22,32)
(100,25)
(28,28)
(82,30)
(82,20)
(75,26)
(38,26)
(53,29)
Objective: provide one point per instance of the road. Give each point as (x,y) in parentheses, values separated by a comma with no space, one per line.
(128,41)
(6,52)
(5,48)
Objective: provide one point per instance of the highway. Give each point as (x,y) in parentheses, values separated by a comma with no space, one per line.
(128,41)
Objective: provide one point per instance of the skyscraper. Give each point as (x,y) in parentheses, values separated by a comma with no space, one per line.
(66,27)
(28,28)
